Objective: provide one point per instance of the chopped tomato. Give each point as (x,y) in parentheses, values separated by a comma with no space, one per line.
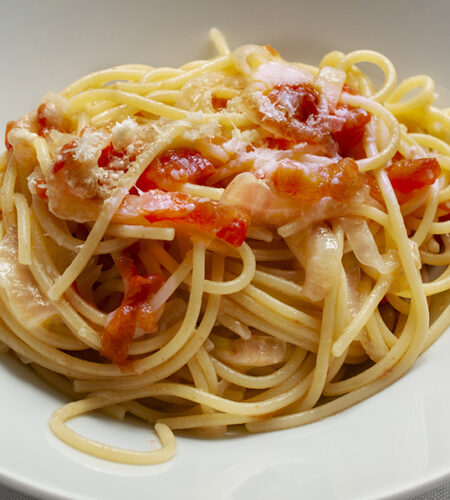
(227,223)
(218,103)
(65,155)
(352,131)
(9,126)
(44,119)
(41,189)
(175,167)
(277,143)
(408,175)
(292,113)
(133,312)
(340,181)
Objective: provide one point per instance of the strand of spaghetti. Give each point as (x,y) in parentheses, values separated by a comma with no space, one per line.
(190,319)
(176,82)
(324,410)
(389,338)
(386,116)
(23,229)
(364,210)
(91,447)
(78,103)
(430,211)
(303,377)
(390,75)
(276,283)
(109,208)
(21,348)
(99,78)
(140,232)
(63,385)
(300,337)
(58,231)
(277,306)
(241,281)
(82,122)
(42,154)
(44,272)
(325,338)
(357,324)
(186,353)
(433,259)
(414,203)
(48,356)
(394,101)
(198,396)
(225,288)
(163,73)
(437,328)
(439,285)
(219,41)
(212,193)
(293,327)
(7,193)
(110,111)
(234,325)
(263,381)
(205,420)
(440,227)
(419,306)
(138,347)
(208,369)
(370,338)
(172,283)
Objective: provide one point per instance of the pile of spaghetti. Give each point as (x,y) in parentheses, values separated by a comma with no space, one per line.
(240,241)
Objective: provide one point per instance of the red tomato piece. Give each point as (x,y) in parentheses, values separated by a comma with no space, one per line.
(175,167)
(134,310)
(408,175)
(41,189)
(65,155)
(340,181)
(352,132)
(218,103)
(227,223)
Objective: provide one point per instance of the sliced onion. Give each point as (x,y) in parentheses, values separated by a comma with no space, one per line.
(256,198)
(363,243)
(259,350)
(20,287)
(279,73)
(322,266)
(330,81)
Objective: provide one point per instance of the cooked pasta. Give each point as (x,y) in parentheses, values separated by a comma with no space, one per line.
(241,241)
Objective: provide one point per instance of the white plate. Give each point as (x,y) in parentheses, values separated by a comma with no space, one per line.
(393,445)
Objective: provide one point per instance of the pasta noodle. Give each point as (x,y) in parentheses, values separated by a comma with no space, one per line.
(238,241)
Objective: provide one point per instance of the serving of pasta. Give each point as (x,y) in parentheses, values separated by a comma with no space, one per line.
(241,241)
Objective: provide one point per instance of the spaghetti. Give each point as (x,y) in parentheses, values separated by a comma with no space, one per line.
(240,241)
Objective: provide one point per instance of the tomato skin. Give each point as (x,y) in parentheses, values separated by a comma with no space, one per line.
(174,168)
(66,155)
(225,222)
(340,181)
(408,175)
(134,310)
(352,132)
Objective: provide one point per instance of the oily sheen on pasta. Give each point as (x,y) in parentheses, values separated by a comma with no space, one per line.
(241,241)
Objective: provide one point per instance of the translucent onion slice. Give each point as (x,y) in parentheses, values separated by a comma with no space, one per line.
(363,243)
